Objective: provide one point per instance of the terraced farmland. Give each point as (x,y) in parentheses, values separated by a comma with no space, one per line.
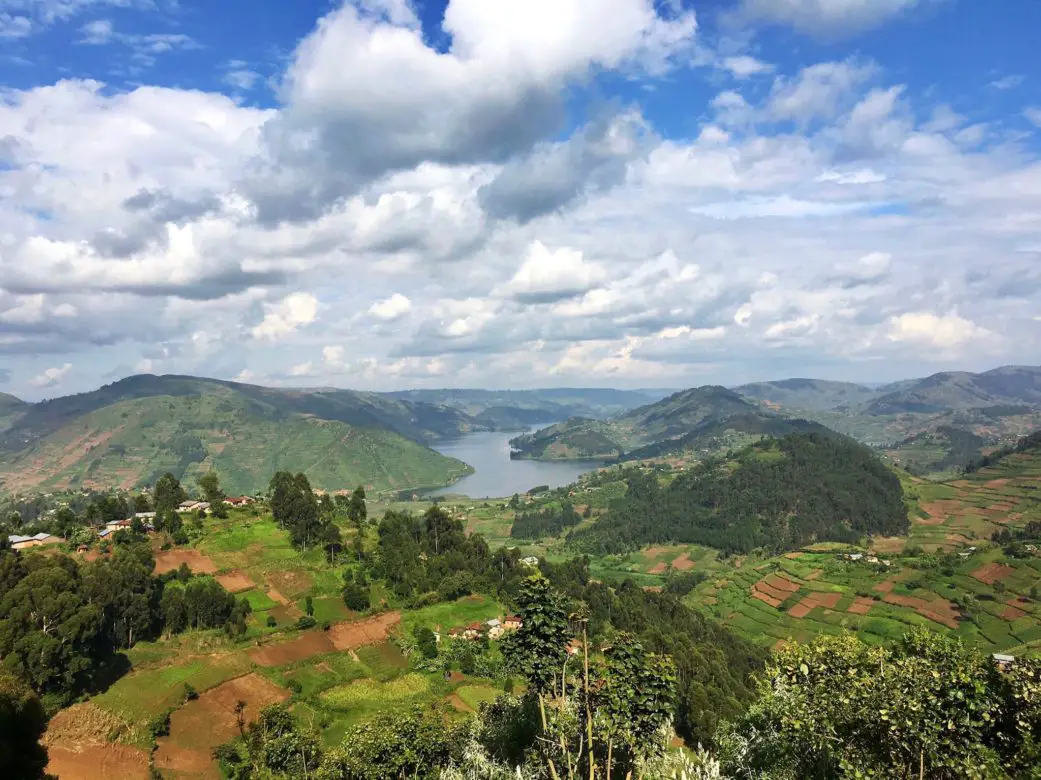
(981,597)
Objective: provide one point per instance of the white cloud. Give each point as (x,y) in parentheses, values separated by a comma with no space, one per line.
(1034,115)
(52,376)
(931,330)
(825,18)
(548,275)
(1008,82)
(819,90)
(390,309)
(744,66)
(294,311)
(782,206)
(860,176)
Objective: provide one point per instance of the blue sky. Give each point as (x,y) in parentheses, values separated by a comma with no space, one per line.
(384,194)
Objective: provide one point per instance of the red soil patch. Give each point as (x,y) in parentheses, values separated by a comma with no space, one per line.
(683,563)
(653,553)
(653,588)
(171,560)
(930,520)
(294,583)
(1012,612)
(887,544)
(459,704)
(792,555)
(98,762)
(236,581)
(801,610)
(201,725)
(456,676)
(775,603)
(991,573)
(310,644)
(995,483)
(781,583)
(762,587)
(346,636)
(658,568)
(814,575)
(861,605)
(958,538)
(884,587)
(939,611)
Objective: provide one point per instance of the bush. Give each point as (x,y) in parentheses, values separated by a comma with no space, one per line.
(294,685)
(159,726)
(306,621)
(271,622)
(190,694)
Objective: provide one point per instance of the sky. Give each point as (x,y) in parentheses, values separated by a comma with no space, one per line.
(384,194)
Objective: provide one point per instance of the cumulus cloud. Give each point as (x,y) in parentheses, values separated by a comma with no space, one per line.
(744,66)
(390,309)
(294,311)
(818,91)
(930,330)
(52,376)
(548,275)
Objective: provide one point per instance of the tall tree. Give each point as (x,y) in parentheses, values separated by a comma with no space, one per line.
(168,493)
(22,723)
(357,511)
(539,648)
(209,483)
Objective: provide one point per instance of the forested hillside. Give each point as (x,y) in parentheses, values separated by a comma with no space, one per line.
(702,418)
(129,433)
(779,494)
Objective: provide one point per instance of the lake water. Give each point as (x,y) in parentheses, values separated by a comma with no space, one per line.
(495,475)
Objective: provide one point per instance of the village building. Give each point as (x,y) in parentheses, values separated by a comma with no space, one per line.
(512,622)
(36,540)
(238,501)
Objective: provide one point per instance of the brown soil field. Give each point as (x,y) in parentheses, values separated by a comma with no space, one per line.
(801,610)
(201,725)
(274,595)
(457,703)
(171,560)
(782,583)
(939,611)
(861,605)
(683,563)
(991,573)
(658,568)
(653,588)
(958,538)
(291,583)
(995,483)
(770,591)
(346,636)
(829,600)
(814,575)
(793,556)
(1012,612)
(653,553)
(83,724)
(888,544)
(884,587)
(98,762)
(775,603)
(307,645)
(236,581)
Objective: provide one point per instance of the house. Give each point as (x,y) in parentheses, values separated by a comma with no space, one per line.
(105,533)
(145,515)
(455,633)
(855,556)
(36,540)
(115,525)
(494,628)
(238,501)
(512,623)
(186,506)
(1003,661)
(473,631)
(531,560)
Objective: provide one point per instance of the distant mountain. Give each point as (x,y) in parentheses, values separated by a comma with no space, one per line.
(131,431)
(777,494)
(1009,386)
(523,408)
(10,409)
(702,418)
(807,394)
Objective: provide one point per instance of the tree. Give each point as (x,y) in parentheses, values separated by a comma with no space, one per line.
(331,539)
(309,606)
(22,723)
(357,511)
(426,641)
(539,648)
(355,592)
(209,483)
(141,503)
(168,493)
(926,707)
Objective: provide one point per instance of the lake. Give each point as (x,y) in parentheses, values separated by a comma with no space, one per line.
(495,475)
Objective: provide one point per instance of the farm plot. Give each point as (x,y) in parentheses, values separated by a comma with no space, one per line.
(171,560)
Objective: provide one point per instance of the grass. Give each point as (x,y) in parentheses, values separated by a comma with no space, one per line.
(476,695)
(468,609)
(371,693)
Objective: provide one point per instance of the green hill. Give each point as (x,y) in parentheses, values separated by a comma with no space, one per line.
(778,494)
(129,432)
(807,394)
(11,409)
(700,419)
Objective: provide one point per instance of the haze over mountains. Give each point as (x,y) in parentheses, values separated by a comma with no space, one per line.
(130,431)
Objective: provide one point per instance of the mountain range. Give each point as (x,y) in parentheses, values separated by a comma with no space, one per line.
(128,432)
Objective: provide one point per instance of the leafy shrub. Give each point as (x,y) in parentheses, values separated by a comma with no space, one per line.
(271,622)
(190,694)
(306,621)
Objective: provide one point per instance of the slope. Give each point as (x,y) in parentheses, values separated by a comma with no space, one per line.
(11,409)
(708,417)
(202,425)
(778,494)
(807,394)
